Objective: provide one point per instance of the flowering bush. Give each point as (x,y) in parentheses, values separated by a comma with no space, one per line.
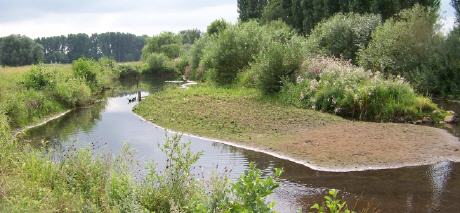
(337,86)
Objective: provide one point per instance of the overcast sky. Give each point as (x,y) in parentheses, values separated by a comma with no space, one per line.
(38,18)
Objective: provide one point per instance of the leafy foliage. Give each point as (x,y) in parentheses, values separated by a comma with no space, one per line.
(406,45)
(276,62)
(65,49)
(338,87)
(342,35)
(332,204)
(17,50)
(251,190)
(217,26)
(303,15)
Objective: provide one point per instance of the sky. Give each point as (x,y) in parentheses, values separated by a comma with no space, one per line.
(40,18)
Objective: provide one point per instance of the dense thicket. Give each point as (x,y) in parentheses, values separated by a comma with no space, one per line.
(407,45)
(342,35)
(65,49)
(251,9)
(17,50)
(303,15)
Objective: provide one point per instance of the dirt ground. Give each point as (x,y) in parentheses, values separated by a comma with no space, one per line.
(361,146)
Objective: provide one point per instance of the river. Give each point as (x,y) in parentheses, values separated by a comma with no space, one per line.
(108,125)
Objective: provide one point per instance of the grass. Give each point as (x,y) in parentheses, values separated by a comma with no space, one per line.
(235,114)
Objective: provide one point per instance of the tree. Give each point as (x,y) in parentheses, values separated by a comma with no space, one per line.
(119,46)
(17,50)
(342,35)
(217,26)
(190,36)
(166,43)
(78,46)
(406,45)
(250,9)
(303,15)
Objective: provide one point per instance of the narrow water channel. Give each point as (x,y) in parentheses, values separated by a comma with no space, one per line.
(108,125)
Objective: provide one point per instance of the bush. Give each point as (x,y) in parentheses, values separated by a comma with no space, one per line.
(72,92)
(195,56)
(166,43)
(449,76)
(38,78)
(157,62)
(406,45)
(129,70)
(95,76)
(332,204)
(276,62)
(175,187)
(217,26)
(27,106)
(337,86)
(342,35)
(251,191)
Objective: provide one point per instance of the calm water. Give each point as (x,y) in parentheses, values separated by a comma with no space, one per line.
(109,125)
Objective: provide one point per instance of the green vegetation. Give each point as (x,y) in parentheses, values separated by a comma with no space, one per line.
(31,181)
(406,45)
(338,87)
(332,204)
(342,35)
(272,58)
(304,15)
(16,50)
(234,114)
(65,49)
(42,90)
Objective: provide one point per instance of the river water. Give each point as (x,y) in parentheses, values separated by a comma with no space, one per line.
(110,124)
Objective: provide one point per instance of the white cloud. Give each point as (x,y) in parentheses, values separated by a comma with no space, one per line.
(150,19)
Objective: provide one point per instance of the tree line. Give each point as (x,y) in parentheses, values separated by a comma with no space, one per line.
(303,15)
(116,45)
(18,50)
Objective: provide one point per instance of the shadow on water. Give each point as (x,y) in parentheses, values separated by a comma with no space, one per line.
(110,124)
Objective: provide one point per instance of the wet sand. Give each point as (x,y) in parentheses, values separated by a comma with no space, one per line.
(353,146)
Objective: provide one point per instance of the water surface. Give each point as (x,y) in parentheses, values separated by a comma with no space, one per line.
(110,124)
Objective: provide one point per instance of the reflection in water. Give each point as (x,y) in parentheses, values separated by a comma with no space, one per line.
(439,174)
(110,124)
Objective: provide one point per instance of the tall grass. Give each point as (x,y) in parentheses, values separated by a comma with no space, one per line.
(33,92)
(80,181)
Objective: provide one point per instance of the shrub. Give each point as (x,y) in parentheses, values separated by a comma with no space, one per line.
(195,56)
(332,204)
(72,92)
(129,70)
(175,187)
(38,78)
(251,190)
(276,62)
(217,26)
(449,76)
(95,76)
(405,45)
(342,35)
(166,43)
(157,62)
(232,50)
(337,86)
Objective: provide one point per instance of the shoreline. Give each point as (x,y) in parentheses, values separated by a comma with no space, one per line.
(43,122)
(306,163)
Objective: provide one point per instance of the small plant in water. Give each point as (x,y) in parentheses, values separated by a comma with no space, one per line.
(331,204)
